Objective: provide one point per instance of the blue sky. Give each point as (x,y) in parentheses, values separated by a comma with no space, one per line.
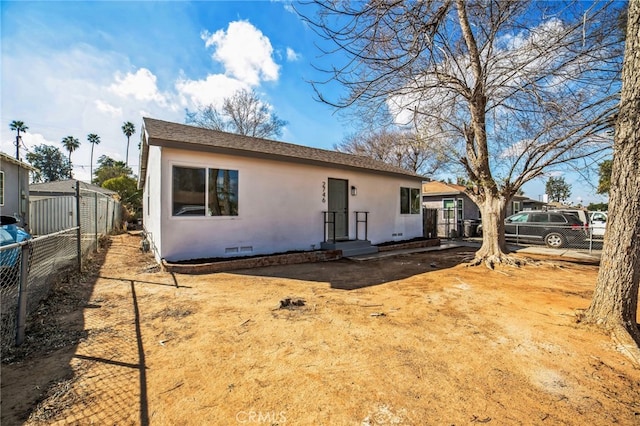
(74,68)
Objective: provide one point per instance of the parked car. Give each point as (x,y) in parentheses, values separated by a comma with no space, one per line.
(10,233)
(555,229)
(581,214)
(598,223)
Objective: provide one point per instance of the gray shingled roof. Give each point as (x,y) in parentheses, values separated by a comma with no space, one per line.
(182,136)
(65,187)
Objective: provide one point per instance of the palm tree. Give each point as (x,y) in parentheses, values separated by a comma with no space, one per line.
(71,144)
(93,140)
(128,129)
(18,126)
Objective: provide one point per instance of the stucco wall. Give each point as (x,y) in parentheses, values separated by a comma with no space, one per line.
(16,192)
(152,200)
(280,208)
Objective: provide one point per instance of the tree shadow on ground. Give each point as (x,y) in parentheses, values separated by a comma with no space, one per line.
(345,274)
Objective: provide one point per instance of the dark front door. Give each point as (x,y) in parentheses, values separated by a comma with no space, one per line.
(338,203)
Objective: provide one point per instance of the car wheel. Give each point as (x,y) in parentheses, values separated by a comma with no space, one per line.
(554,240)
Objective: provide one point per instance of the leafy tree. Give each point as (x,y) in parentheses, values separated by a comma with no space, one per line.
(516,87)
(50,163)
(128,129)
(557,189)
(93,140)
(127,189)
(598,207)
(70,144)
(18,126)
(243,113)
(615,299)
(108,168)
(604,182)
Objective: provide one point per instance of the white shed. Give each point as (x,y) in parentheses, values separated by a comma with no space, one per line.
(211,194)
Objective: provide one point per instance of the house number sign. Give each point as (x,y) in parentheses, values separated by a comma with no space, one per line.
(324,191)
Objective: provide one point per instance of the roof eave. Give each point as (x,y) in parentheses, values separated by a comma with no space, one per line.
(440,194)
(19,163)
(262,155)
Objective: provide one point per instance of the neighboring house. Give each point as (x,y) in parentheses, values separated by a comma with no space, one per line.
(211,194)
(65,188)
(531,204)
(14,188)
(455,206)
(53,204)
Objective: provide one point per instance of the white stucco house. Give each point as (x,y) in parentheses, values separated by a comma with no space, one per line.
(210,194)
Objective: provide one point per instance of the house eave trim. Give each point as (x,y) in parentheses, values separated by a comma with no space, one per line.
(275,157)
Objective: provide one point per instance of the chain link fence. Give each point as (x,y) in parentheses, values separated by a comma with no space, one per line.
(29,269)
(554,235)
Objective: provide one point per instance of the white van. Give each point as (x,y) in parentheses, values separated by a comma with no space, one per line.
(598,223)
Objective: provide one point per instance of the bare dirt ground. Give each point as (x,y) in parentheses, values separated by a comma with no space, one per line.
(416,339)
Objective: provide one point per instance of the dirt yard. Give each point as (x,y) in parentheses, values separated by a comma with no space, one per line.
(417,339)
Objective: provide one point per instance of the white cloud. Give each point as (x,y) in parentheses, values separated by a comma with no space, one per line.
(31,140)
(289,7)
(244,51)
(211,90)
(141,85)
(292,55)
(108,108)
(517,149)
(86,90)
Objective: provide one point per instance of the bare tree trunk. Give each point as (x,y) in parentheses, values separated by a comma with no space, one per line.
(615,300)
(494,249)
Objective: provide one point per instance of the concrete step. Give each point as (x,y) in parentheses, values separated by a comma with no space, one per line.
(351,248)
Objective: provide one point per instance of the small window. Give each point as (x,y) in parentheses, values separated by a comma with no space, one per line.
(448,206)
(415,201)
(1,188)
(223,192)
(557,218)
(539,217)
(204,192)
(515,207)
(409,201)
(188,191)
(519,218)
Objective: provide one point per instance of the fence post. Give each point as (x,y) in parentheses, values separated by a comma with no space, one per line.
(22,294)
(95,219)
(106,219)
(79,232)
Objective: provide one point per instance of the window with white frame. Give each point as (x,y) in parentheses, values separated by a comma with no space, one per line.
(452,209)
(515,207)
(199,191)
(409,201)
(448,209)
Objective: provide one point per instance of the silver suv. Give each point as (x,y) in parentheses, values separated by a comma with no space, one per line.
(553,228)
